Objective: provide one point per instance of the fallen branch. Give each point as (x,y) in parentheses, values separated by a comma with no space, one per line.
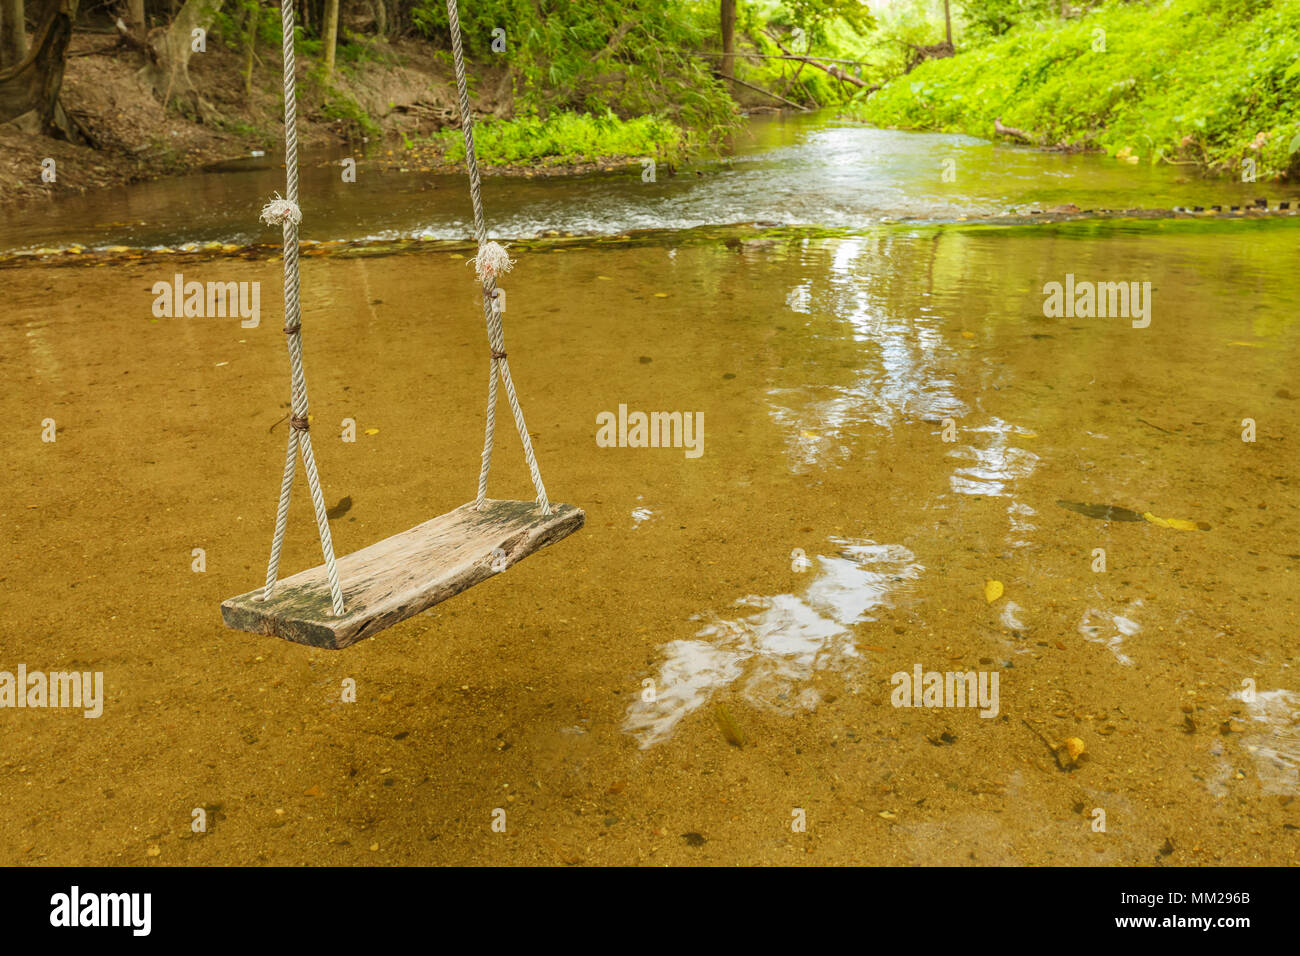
(98,51)
(919,54)
(1011,131)
(751,54)
(793,80)
(776,96)
(834,71)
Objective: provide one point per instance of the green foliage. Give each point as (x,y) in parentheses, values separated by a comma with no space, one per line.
(993,18)
(237,19)
(564,138)
(814,18)
(1215,81)
(899,28)
(631,58)
(813,28)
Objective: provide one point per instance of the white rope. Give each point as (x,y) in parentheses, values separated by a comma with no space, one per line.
(286,212)
(491,261)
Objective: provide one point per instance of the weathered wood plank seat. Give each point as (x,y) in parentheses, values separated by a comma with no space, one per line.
(401,576)
(343,601)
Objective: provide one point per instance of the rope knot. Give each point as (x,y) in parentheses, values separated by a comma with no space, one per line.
(492,260)
(280,210)
(299,423)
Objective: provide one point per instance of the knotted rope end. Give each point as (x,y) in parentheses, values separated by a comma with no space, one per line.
(280,210)
(492,260)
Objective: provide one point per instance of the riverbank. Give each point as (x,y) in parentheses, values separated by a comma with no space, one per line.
(802,171)
(396,107)
(1192,83)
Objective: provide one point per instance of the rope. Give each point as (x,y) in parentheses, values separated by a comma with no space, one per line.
(285,211)
(491,260)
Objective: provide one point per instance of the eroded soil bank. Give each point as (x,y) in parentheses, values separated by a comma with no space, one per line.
(404,90)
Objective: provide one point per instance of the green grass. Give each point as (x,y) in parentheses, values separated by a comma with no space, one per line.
(1207,81)
(565,138)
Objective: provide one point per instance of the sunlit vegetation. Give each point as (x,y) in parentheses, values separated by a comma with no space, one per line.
(1212,83)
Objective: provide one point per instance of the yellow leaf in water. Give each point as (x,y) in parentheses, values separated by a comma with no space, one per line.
(1074,747)
(1177,524)
(805,433)
(968,335)
(661,295)
(1026,434)
(730,729)
(992,591)
(606,278)
(372,431)
(1249,345)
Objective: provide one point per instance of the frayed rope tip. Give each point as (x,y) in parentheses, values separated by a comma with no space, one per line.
(279,211)
(492,260)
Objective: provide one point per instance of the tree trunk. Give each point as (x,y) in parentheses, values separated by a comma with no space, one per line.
(381,17)
(947,22)
(728,38)
(135,17)
(331,37)
(29,89)
(168,73)
(250,43)
(13,39)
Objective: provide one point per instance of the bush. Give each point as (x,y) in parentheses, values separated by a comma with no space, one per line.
(1216,81)
(598,56)
(564,138)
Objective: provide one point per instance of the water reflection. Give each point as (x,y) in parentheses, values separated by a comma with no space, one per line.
(794,170)
(641,514)
(1275,715)
(900,369)
(994,467)
(779,648)
(1111,628)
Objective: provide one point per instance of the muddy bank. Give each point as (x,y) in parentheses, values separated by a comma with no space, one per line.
(382,107)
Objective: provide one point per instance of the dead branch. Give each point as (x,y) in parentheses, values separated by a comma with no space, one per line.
(830,68)
(1011,131)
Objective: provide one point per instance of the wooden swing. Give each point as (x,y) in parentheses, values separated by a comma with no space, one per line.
(410,572)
